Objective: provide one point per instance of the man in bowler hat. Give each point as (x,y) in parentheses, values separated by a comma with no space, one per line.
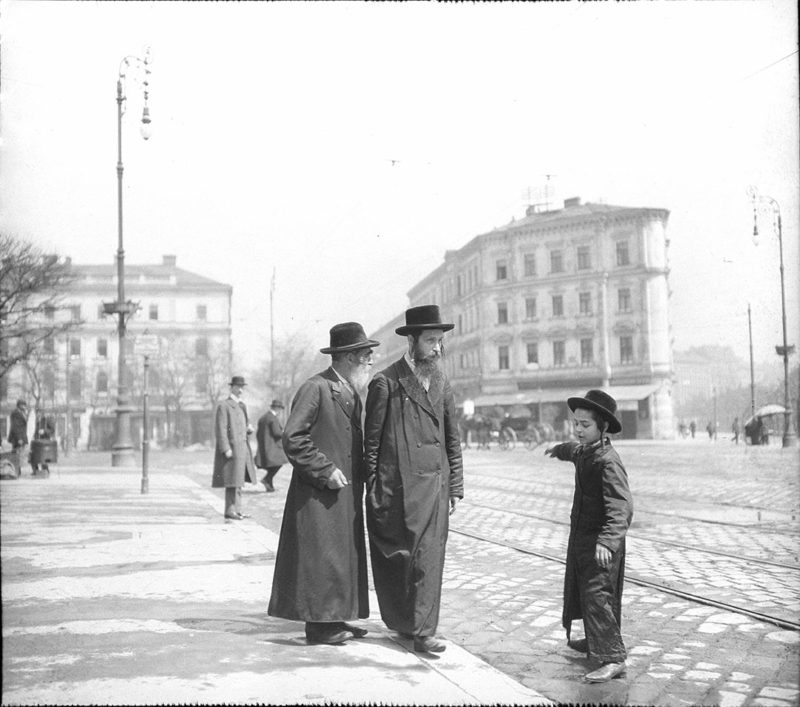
(413,454)
(233,460)
(321,565)
(269,436)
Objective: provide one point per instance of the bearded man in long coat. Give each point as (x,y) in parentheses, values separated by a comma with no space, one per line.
(321,566)
(413,455)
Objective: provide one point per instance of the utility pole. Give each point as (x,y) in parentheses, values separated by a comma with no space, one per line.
(752,378)
(271,331)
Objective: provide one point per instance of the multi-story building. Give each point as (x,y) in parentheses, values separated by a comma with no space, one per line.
(182,322)
(556,303)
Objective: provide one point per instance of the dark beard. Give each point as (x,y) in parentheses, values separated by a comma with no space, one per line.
(427,367)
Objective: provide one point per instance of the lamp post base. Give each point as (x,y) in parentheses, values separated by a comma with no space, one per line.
(122,456)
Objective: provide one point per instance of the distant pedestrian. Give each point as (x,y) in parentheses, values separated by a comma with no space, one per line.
(711,429)
(18,431)
(415,479)
(693,427)
(233,460)
(735,429)
(602,509)
(321,565)
(269,436)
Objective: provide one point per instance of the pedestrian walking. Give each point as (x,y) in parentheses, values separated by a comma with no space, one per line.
(18,431)
(233,459)
(415,479)
(602,509)
(269,439)
(735,430)
(693,427)
(711,429)
(321,565)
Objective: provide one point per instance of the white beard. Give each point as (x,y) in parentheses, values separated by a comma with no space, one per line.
(359,378)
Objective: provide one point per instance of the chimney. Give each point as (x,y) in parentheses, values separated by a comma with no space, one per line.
(168,260)
(574,201)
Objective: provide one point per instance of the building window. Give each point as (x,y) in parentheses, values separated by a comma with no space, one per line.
(154,312)
(460,325)
(101,311)
(75,312)
(502,270)
(458,286)
(530,265)
(530,308)
(502,358)
(502,313)
(585,302)
(155,380)
(558,305)
(50,311)
(556,261)
(533,352)
(202,312)
(49,345)
(75,385)
(584,258)
(74,347)
(558,353)
(587,352)
(200,382)
(101,385)
(623,256)
(626,349)
(102,348)
(201,346)
(624,299)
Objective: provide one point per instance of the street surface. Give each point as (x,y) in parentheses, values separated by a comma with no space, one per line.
(714,520)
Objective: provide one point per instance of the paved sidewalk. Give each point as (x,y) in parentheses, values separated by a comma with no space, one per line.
(110,596)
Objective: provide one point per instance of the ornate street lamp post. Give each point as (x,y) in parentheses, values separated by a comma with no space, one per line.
(122,450)
(789,435)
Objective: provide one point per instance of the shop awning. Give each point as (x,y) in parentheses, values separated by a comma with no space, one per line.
(620,393)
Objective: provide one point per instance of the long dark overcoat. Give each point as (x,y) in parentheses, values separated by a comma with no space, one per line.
(230,427)
(321,565)
(413,455)
(18,432)
(602,509)
(269,437)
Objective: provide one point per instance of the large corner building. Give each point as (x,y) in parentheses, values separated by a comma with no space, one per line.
(556,303)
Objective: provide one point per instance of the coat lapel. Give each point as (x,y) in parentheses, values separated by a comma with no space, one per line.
(340,393)
(413,387)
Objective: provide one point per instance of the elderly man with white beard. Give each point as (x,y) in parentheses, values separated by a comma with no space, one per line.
(321,565)
(412,450)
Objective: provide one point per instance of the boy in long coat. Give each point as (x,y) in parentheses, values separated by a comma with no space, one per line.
(321,565)
(413,454)
(602,509)
(233,459)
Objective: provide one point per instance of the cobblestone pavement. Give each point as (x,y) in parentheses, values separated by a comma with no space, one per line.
(505,606)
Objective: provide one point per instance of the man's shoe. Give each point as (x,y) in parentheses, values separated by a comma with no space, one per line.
(355,630)
(330,635)
(606,672)
(244,515)
(233,516)
(428,644)
(581,645)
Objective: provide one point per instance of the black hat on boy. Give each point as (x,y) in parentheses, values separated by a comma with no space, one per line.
(601,403)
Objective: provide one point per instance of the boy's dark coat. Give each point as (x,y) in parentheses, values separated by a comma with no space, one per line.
(602,509)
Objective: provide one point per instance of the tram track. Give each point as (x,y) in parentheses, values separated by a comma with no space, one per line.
(644,538)
(658,586)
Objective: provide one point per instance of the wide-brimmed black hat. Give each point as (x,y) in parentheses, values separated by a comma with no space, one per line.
(276,404)
(426,316)
(348,336)
(237,380)
(602,403)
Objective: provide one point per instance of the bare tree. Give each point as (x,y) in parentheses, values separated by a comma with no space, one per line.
(215,368)
(175,376)
(32,286)
(296,359)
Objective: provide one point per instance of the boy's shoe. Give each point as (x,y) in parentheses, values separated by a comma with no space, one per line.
(581,645)
(605,672)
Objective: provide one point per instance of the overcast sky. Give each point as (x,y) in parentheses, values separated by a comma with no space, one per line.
(349,145)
